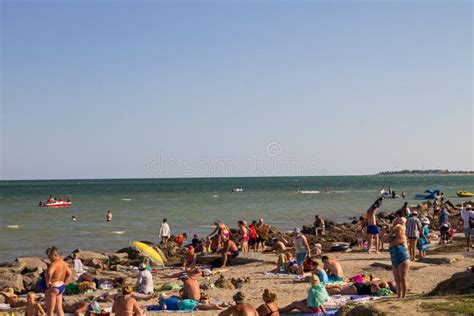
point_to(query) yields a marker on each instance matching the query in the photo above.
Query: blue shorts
(234, 254)
(300, 257)
(398, 254)
(334, 278)
(60, 289)
(373, 229)
(468, 232)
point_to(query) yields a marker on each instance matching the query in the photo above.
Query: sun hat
(424, 220)
(318, 246)
(468, 207)
(296, 230)
(9, 292)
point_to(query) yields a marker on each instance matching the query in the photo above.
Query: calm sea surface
(191, 205)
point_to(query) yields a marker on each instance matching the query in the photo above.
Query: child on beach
(33, 308)
(207, 245)
(189, 260)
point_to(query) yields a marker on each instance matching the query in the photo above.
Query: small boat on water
(57, 204)
(464, 194)
(428, 195)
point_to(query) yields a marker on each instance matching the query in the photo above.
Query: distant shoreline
(432, 172)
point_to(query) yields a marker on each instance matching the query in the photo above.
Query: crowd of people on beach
(404, 234)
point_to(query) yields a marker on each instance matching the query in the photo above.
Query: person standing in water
(108, 217)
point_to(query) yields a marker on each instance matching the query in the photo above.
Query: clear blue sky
(103, 89)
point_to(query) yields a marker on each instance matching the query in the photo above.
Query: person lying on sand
(241, 308)
(176, 304)
(366, 288)
(333, 269)
(76, 308)
(12, 299)
(125, 304)
(317, 296)
(270, 307)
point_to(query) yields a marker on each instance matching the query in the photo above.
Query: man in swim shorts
(333, 269)
(372, 229)
(399, 255)
(230, 249)
(56, 277)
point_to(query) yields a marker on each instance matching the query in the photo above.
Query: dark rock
(460, 283)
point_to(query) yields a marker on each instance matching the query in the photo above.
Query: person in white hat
(144, 280)
(301, 245)
(467, 216)
(424, 241)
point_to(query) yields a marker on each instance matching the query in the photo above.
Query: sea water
(191, 206)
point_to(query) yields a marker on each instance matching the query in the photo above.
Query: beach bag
(41, 286)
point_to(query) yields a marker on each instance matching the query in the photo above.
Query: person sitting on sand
(197, 243)
(189, 259)
(292, 264)
(125, 304)
(317, 296)
(372, 229)
(230, 249)
(270, 307)
(12, 299)
(365, 288)
(144, 280)
(399, 254)
(308, 264)
(56, 277)
(317, 251)
(333, 269)
(80, 269)
(322, 275)
(33, 308)
(241, 308)
(319, 224)
(190, 281)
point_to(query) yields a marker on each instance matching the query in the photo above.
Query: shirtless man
(56, 277)
(240, 308)
(372, 229)
(230, 249)
(125, 304)
(333, 269)
(399, 254)
(191, 288)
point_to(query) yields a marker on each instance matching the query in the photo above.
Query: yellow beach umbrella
(148, 251)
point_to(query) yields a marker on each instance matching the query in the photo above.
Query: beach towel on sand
(341, 300)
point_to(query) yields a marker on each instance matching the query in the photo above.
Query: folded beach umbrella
(148, 251)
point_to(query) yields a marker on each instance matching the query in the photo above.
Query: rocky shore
(23, 273)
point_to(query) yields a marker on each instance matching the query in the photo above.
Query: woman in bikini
(270, 308)
(244, 236)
